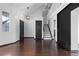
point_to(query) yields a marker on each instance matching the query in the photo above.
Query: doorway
(21, 30)
(38, 29)
(75, 29)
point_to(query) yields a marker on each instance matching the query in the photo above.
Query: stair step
(47, 38)
(46, 34)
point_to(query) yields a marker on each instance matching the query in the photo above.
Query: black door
(38, 29)
(21, 30)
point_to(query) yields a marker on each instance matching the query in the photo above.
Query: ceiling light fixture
(28, 16)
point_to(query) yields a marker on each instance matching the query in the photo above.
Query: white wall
(13, 34)
(78, 29)
(45, 20)
(29, 28)
(74, 29)
(45, 16)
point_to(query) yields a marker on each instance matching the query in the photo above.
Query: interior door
(38, 29)
(21, 30)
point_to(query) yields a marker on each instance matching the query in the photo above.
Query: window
(5, 21)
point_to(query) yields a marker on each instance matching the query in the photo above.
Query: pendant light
(28, 16)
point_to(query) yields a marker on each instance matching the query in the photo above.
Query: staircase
(46, 35)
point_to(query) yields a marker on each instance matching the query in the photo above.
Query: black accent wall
(64, 26)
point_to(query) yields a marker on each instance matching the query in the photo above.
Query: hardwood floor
(31, 47)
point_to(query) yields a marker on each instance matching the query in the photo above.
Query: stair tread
(48, 36)
(47, 39)
(46, 32)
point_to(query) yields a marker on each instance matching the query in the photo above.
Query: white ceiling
(34, 8)
(23, 6)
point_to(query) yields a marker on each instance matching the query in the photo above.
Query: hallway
(49, 22)
(31, 47)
